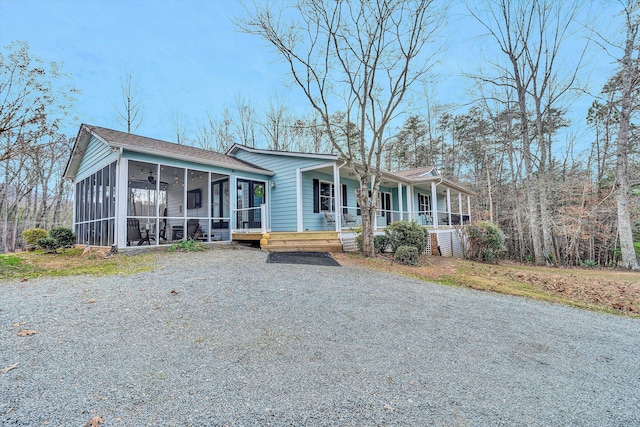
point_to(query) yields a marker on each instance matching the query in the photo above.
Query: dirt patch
(602, 289)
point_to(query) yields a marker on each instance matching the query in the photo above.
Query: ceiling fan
(152, 180)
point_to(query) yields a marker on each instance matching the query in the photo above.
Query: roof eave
(198, 160)
(235, 147)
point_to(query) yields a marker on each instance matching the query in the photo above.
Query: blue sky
(188, 57)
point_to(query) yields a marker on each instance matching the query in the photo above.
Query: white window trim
(321, 196)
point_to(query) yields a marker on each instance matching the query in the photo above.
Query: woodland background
(570, 182)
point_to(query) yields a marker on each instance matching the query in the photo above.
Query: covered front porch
(327, 201)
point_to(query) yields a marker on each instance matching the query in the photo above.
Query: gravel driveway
(223, 338)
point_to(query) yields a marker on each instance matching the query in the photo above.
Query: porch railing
(351, 217)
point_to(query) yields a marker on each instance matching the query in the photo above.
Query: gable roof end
(116, 139)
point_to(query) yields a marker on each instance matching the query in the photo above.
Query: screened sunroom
(134, 191)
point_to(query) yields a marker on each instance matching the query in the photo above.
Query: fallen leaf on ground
(8, 368)
(90, 301)
(174, 292)
(94, 422)
(25, 332)
(18, 324)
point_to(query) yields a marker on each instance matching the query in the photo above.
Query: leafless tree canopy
(359, 58)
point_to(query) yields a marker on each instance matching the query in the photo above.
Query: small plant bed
(188, 246)
(26, 265)
(612, 291)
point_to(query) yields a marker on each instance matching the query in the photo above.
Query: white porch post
(449, 205)
(460, 206)
(410, 206)
(299, 210)
(434, 204)
(400, 201)
(122, 190)
(337, 194)
(375, 217)
(233, 203)
(209, 209)
(263, 217)
(469, 207)
(184, 203)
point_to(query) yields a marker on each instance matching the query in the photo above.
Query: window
(424, 203)
(326, 197)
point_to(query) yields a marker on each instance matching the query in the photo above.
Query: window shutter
(344, 199)
(316, 196)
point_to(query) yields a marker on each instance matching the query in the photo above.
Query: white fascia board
(237, 147)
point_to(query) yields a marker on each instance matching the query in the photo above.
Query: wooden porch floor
(308, 241)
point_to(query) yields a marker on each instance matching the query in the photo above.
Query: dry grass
(612, 291)
(25, 265)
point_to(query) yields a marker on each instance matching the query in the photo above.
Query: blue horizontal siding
(96, 156)
(283, 202)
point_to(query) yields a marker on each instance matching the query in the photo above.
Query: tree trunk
(629, 259)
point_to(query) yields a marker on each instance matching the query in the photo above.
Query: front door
(220, 204)
(251, 194)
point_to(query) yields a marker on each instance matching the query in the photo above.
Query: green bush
(380, 243)
(48, 244)
(188, 246)
(407, 233)
(484, 241)
(31, 235)
(636, 246)
(407, 255)
(64, 236)
(359, 237)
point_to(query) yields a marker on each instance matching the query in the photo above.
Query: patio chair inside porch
(192, 227)
(330, 219)
(349, 220)
(134, 234)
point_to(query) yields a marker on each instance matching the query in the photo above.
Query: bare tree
(530, 34)
(246, 122)
(177, 121)
(276, 125)
(34, 98)
(357, 57)
(129, 114)
(630, 80)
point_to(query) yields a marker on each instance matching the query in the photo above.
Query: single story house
(131, 190)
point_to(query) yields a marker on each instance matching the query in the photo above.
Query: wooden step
(304, 235)
(305, 248)
(312, 241)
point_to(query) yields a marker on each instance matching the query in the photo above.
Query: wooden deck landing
(309, 241)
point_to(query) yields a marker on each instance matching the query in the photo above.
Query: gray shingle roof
(412, 173)
(141, 143)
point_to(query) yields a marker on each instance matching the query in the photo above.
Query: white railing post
(263, 217)
(400, 201)
(449, 206)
